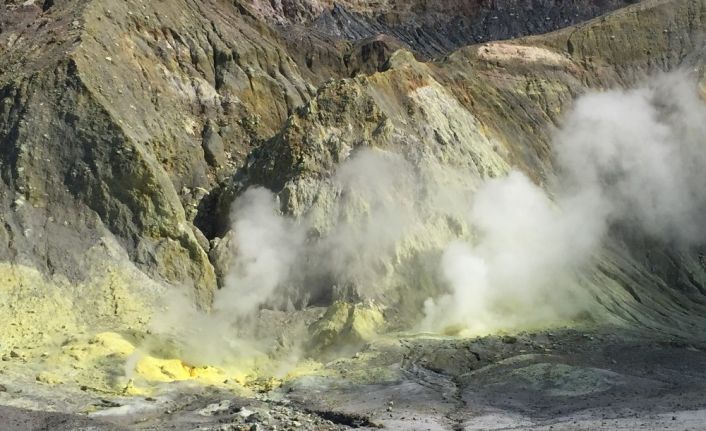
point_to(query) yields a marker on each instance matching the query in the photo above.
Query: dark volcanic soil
(120, 158)
(566, 379)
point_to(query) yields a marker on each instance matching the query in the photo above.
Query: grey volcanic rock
(436, 28)
(480, 110)
(142, 122)
(108, 114)
(128, 129)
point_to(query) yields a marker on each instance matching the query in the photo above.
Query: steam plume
(631, 157)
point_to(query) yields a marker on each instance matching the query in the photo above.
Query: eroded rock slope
(128, 129)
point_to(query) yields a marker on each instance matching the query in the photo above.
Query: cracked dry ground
(121, 156)
(566, 379)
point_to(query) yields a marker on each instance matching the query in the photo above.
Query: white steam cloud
(642, 153)
(519, 271)
(634, 157)
(267, 247)
(512, 258)
(280, 262)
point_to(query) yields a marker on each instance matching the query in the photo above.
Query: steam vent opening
(397, 214)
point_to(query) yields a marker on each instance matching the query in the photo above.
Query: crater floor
(572, 379)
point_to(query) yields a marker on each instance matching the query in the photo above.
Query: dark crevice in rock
(210, 219)
(347, 419)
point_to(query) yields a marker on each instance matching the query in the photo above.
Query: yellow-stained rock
(346, 326)
(113, 343)
(49, 378)
(162, 370)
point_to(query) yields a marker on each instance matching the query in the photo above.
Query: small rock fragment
(48, 378)
(509, 339)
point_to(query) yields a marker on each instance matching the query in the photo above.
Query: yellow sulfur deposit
(114, 343)
(162, 370)
(54, 340)
(171, 370)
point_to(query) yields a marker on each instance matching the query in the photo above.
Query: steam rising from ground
(640, 155)
(267, 248)
(632, 157)
(519, 272)
(282, 263)
(622, 157)
(276, 255)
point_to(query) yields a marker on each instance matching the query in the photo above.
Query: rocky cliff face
(432, 28)
(123, 116)
(480, 111)
(128, 129)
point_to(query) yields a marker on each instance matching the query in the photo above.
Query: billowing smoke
(280, 261)
(518, 272)
(268, 246)
(641, 153)
(374, 209)
(510, 256)
(283, 263)
(634, 158)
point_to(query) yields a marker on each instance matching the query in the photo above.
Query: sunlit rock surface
(128, 129)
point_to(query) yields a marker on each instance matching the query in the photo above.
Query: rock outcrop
(431, 28)
(136, 124)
